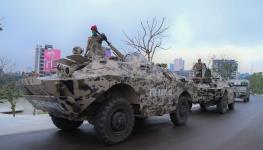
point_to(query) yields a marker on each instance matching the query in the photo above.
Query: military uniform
(198, 69)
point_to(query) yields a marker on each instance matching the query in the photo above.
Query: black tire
(180, 115)
(203, 107)
(65, 124)
(231, 106)
(222, 104)
(246, 99)
(114, 121)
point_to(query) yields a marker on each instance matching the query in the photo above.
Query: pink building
(50, 55)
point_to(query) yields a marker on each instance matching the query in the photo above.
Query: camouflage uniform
(198, 69)
(95, 46)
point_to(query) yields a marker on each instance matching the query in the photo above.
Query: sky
(230, 29)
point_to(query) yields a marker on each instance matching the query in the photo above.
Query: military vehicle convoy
(110, 93)
(241, 89)
(212, 90)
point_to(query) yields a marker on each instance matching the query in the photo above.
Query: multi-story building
(178, 64)
(44, 59)
(228, 69)
(39, 60)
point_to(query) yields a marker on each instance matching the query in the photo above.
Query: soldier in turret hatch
(199, 68)
(94, 46)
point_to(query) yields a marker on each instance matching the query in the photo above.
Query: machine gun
(115, 51)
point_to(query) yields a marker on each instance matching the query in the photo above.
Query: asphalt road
(241, 129)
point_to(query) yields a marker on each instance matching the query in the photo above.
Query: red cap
(93, 28)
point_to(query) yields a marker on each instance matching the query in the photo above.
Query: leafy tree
(256, 83)
(8, 89)
(10, 92)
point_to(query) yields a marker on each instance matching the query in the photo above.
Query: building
(228, 69)
(171, 67)
(185, 73)
(244, 76)
(45, 59)
(178, 64)
(39, 60)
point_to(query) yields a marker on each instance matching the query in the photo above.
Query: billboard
(49, 60)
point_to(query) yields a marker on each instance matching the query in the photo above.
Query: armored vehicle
(241, 89)
(211, 89)
(110, 93)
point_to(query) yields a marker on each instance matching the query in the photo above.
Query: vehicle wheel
(231, 106)
(114, 121)
(222, 104)
(65, 124)
(180, 115)
(203, 107)
(246, 99)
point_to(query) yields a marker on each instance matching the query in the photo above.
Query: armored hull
(70, 93)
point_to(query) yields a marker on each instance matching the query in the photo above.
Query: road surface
(241, 129)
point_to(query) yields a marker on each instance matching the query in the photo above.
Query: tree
(256, 83)
(149, 38)
(10, 93)
(8, 89)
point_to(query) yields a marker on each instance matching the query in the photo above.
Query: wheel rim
(119, 121)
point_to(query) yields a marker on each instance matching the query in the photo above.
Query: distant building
(178, 64)
(44, 59)
(244, 76)
(186, 73)
(171, 67)
(39, 60)
(228, 69)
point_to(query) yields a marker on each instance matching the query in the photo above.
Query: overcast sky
(197, 28)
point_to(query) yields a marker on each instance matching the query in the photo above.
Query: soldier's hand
(103, 36)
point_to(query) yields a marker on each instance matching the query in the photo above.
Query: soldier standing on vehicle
(198, 68)
(94, 46)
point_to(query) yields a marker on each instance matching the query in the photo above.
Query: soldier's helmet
(199, 60)
(77, 50)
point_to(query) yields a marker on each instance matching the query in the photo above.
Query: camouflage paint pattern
(212, 91)
(69, 93)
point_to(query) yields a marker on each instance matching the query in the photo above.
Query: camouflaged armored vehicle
(110, 93)
(212, 90)
(241, 89)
